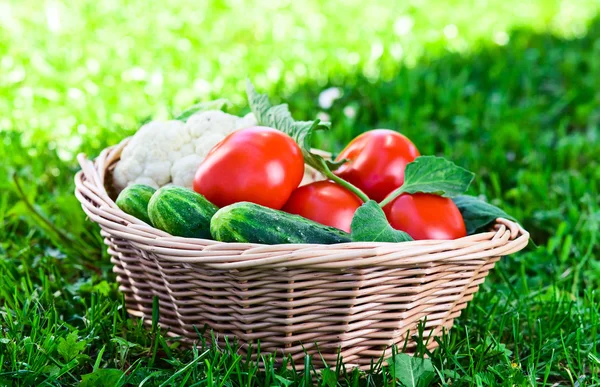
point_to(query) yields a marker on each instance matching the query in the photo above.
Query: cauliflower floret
(170, 152)
(147, 155)
(205, 143)
(216, 121)
(184, 169)
(246, 121)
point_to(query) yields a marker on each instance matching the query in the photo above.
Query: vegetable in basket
(253, 223)
(426, 216)
(134, 201)
(376, 162)
(324, 202)
(258, 164)
(181, 212)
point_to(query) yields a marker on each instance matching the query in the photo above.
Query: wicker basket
(357, 299)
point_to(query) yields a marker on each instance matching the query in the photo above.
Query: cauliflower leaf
(218, 104)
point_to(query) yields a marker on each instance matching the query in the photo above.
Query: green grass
(513, 96)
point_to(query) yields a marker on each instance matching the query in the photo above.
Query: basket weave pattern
(356, 298)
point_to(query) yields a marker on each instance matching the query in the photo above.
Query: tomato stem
(350, 187)
(361, 195)
(388, 199)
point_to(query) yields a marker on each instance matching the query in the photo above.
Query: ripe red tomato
(258, 164)
(426, 216)
(324, 202)
(377, 162)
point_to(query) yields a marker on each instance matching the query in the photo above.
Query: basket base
(357, 357)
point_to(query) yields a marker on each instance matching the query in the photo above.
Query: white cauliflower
(170, 152)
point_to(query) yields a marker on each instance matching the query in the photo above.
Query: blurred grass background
(70, 68)
(508, 89)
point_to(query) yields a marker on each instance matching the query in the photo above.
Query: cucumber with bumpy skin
(181, 212)
(134, 201)
(253, 223)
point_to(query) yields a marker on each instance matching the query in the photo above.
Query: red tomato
(324, 202)
(377, 162)
(426, 216)
(258, 164)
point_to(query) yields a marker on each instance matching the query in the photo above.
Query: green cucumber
(253, 223)
(134, 201)
(181, 212)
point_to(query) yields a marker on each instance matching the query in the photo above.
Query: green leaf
(70, 347)
(431, 174)
(328, 377)
(103, 377)
(477, 214)
(217, 104)
(283, 381)
(280, 118)
(52, 370)
(411, 371)
(369, 224)
(493, 347)
(435, 175)
(103, 288)
(485, 378)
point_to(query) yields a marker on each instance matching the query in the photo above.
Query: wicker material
(360, 298)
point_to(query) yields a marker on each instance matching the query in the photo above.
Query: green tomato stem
(388, 199)
(350, 187)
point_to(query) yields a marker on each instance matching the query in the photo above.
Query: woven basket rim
(506, 237)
